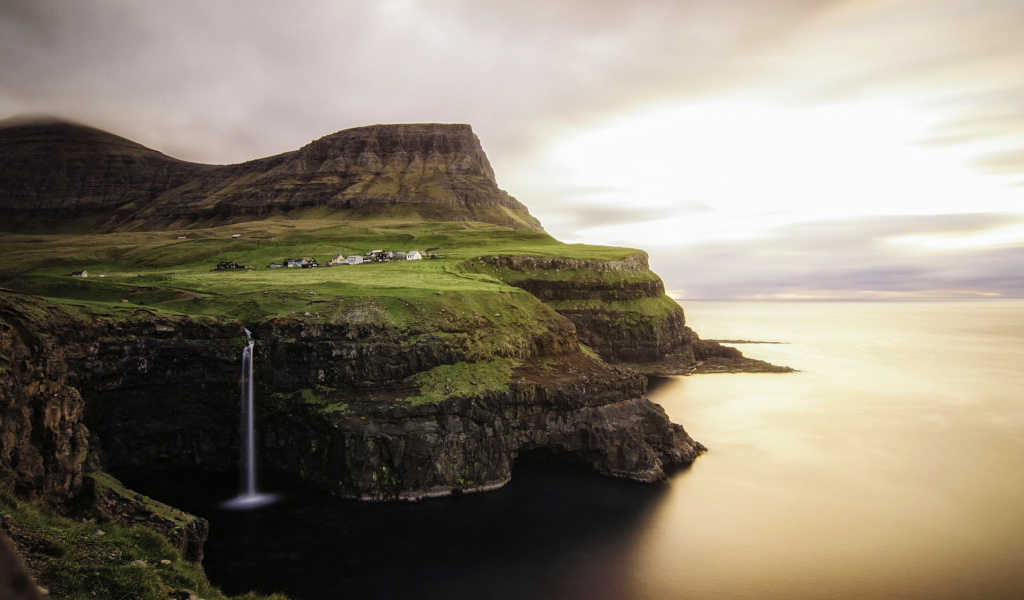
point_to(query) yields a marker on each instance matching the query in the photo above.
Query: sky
(755, 148)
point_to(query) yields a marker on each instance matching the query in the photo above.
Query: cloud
(231, 80)
(849, 256)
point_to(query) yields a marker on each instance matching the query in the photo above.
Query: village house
(413, 255)
(355, 259)
(224, 266)
(274, 266)
(79, 274)
(295, 262)
(310, 263)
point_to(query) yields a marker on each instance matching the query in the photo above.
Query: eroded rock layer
(60, 176)
(161, 392)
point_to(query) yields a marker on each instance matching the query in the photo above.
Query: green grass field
(159, 271)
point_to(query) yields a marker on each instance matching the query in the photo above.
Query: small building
(413, 255)
(79, 274)
(295, 262)
(274, 266)
(355, 259)
(433, 255)
(310, 263)
(227, 266)
(399, 256)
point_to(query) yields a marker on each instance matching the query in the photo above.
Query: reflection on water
(891, 466)
(556, 533)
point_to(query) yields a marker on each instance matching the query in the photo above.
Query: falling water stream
(248, 497)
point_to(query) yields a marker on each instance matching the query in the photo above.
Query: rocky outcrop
(161, 392)
(106, 499)
(588, 415)
(56, 176)
(619, 307)
(46, 355)
(43, 443)
(620, 310)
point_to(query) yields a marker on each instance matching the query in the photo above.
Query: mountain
(389, 380)
(59, 176)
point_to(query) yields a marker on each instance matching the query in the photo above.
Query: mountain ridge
(62, 176)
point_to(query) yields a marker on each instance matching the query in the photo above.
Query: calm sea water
(891, 466)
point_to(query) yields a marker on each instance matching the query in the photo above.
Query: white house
(355, 259)
(413, 255)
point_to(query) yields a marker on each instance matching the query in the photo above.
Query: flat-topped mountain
(66, 177)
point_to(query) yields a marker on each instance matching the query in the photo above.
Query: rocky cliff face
(43, 443)
(620, 310)
(619, 307)
(45, 352)
(62, 176)
(159, 392)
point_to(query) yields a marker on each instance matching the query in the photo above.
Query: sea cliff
(378, 382)
(148, 391)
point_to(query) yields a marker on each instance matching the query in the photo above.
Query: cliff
(389, 381)
(620, 310)
(158, 392)
(57, 176)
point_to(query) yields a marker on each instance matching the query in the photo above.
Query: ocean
(890, 466)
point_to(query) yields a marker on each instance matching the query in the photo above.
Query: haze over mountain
(60, 176)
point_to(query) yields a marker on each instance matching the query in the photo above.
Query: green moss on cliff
(644, 309)
(90, 560)
(463, 379)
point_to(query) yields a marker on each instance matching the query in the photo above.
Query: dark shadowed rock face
(69, 177)
(15, 581)
(55, 174)
(161, 392)
(43, 443)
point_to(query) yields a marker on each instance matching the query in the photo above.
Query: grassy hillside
(162, 271)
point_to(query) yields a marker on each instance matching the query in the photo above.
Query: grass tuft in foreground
(85, 561)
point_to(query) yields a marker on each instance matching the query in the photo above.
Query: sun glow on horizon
(737, 169)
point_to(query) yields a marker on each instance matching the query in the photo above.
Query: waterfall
(248, 497)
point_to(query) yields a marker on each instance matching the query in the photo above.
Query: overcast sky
(756, 148)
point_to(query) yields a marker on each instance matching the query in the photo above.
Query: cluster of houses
(354, 259)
